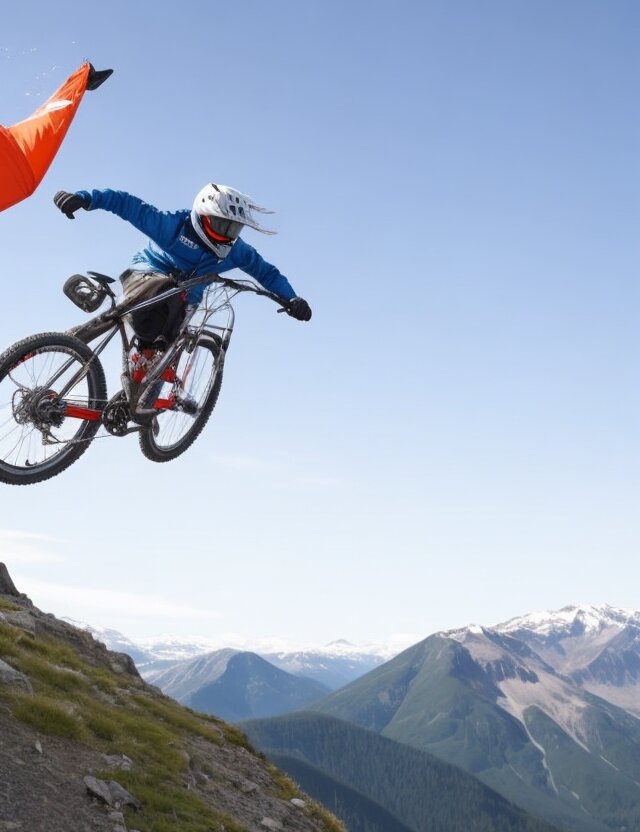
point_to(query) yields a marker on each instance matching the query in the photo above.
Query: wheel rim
(195, 373)
(34, 433)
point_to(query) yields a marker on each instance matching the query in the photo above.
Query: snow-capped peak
(462, 633)
(588, 618)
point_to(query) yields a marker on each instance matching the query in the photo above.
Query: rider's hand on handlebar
(70, 203)
(299, 309)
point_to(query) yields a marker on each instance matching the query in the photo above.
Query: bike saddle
(101, 278)
(87, 293)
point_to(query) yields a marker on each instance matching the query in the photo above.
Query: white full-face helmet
(219, 214)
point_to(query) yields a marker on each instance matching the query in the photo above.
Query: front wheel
(52, 390)
(195, 393)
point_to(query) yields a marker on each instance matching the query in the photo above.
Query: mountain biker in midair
(185, 244)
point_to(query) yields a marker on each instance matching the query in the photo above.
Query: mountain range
(544, 709)
(234, 683)
(174, 664)
(330, 668)
(541, 708)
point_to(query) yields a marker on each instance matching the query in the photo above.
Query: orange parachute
(28, 147)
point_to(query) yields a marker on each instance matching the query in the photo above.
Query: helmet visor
(220, 229)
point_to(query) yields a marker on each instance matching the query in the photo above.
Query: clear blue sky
(454, 436)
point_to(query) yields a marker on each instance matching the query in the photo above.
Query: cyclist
(185, 244)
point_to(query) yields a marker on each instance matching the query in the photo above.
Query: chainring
(116, 415)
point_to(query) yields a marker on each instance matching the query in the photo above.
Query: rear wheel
(42, 379)
(195, 393)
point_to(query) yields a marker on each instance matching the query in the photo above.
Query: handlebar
(235, 285)
(185, 285)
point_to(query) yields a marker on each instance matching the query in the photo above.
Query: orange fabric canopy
(28, 147)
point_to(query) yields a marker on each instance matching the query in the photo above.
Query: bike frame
(217, 299)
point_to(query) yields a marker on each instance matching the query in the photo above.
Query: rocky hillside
(86, 744)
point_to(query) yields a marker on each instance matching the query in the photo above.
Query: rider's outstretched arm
(160, 226)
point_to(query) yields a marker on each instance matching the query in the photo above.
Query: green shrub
(49, 676)
(45, 716)
(54, 651)
(103, 679)
(331, 822)
(176, 716)
(103, 727)
(8, 635)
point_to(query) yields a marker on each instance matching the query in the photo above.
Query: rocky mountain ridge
(594, 647)
(574, 619)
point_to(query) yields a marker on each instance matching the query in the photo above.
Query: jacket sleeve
(158, 225)
(247, 258)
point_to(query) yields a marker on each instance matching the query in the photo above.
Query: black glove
(299, 309)
(70, 203)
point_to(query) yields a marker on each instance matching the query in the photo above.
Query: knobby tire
(148, 444)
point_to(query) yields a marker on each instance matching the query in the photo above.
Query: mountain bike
(53, 390)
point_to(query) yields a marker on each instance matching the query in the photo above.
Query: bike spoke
(29, 436)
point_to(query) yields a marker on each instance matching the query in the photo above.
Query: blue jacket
(175, 248)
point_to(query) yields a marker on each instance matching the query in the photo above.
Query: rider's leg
(157, 325)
